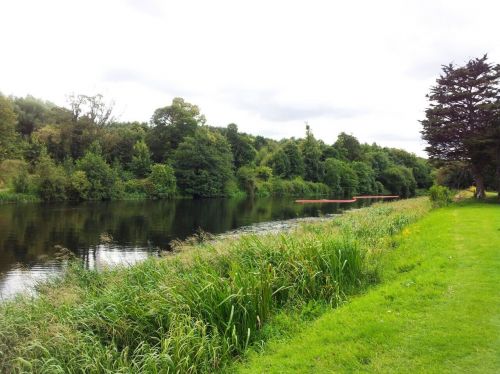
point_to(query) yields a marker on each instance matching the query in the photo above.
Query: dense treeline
(83, 153)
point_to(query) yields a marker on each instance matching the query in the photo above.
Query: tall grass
(194, 311)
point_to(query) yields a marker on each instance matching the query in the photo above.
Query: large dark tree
(171, 124)
(203, 164)
(464, 106)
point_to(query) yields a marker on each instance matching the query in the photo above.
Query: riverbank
(436, 311)
(199, 310)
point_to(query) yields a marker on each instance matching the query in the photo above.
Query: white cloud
(362, 67)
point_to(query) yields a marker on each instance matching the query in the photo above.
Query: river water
(123, 232)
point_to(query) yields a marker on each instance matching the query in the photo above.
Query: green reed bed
(197, 310)
(7, 196)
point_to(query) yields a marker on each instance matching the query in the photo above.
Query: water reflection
(122, 232)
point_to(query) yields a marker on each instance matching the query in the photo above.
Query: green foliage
(161, 183)
(102, 178)
(78, 186)
(295, 160)
(141, 160)
(399, 180)
(8, 120)
(280, 164)
(171, 125)
(24, 183)
(51, 180)
(295, 187)
(440, 196)
(32, 113)
(264, 173)
(203, 164)
(14, 197)
(10, 170)
(243, 151)
(366, 178)
(340, 177)
(311, 152)
(116, 157)
(247, 178)
(462, 123)
(348, 147)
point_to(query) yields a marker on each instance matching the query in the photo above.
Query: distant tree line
(81, 152)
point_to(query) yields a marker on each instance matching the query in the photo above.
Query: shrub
(10, 170)
(78, 186)
(440, 196)
(51, 180)
(264, 173)
(135, 186)
(161, 183)
(101, 176)
(23, 183)
(246, 176)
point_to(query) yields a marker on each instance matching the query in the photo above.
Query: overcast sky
(363, 67)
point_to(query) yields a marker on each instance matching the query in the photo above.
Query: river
(124, 232)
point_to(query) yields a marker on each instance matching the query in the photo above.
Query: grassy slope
(437, 311)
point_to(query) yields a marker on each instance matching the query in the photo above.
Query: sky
(361, 67)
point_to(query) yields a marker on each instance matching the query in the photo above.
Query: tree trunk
(479, 180)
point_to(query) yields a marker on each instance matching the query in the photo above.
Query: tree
(93, 108)
(279, 163)
(203, 164)
(399, 180)
(366, 177)
(31, 113)
(311, 153)
(295, 160)
(462, 111)
(340, 177)
(379, 161)
(8, 120)
(348, 147)
(141, 160)
(161, 182)
(51, 179)
(101, 176)
(243, 151)
(171, 124)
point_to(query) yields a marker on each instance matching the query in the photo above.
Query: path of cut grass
(437, 311)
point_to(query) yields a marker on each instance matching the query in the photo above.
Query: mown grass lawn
(436, 311)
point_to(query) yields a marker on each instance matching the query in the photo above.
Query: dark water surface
(122, 232)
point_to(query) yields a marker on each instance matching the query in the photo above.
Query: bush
(246, 176)
(101, 176)
(51, 180)
(264, 173)
(78, 186)
(295, 187)
(161, 183)
(135, 186)
(10, 170)
(23, 183)
(440, 196)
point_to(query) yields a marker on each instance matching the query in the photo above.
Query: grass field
(437, 309)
